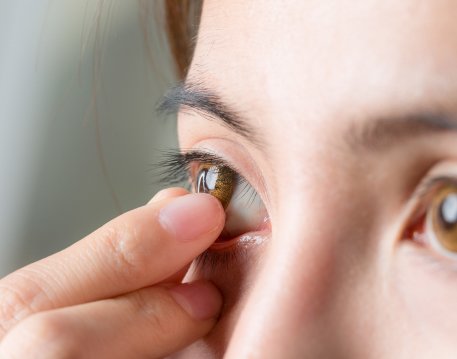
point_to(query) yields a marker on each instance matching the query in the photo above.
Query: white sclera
(245, 212)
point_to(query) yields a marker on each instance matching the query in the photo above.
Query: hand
(117, 292)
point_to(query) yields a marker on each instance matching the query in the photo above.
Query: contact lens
(219, 181)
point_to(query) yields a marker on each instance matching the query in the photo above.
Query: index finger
(137, 249)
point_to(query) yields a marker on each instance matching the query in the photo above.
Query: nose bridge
(288, 300)
(314, 265)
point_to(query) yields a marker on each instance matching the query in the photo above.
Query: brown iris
(443, 215)
(218, 181)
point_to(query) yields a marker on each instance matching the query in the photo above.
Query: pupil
(448, 210)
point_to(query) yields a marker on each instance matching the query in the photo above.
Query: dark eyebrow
(374, 134)
(383, 132)
(209, 104)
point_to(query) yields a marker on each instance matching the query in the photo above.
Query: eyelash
(176, 166)
(175, 169)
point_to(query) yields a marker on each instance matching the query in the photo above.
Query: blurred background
(79, 132)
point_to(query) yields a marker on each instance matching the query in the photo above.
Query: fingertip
(200, 299)
(193, 216)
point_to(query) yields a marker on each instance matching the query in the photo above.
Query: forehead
(282, 59)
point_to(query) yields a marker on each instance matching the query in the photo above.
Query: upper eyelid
(420, 197)
(429, 184)
(175, 165)
(205, 156)
(215, 160)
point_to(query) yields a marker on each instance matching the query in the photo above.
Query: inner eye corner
(414, 228)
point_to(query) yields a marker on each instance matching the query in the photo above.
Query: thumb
(150, 323)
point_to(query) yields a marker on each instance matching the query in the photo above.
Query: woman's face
(342, 117)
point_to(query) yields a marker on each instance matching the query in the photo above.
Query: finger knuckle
(127, 254)
(22, 293)
(157, 308)
(43, 333)
(14, 306)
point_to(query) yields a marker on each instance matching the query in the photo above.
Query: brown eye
(244, 209)
(219, 181)
(442, 218)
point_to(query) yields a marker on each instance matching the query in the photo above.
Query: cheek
(429, 293)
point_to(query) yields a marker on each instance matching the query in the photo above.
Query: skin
(334, 278)
(117, 292)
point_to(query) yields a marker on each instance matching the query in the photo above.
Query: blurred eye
(437, 226)
(245, 211)
(441, 219)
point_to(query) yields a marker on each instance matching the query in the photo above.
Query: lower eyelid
(435, 263)
(236, 253)
(218, 260)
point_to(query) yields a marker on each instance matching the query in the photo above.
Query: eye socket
(437, 226)
(206, 172)
(245, 211)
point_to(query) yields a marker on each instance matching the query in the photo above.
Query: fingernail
(190, 216)
(201, 299)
